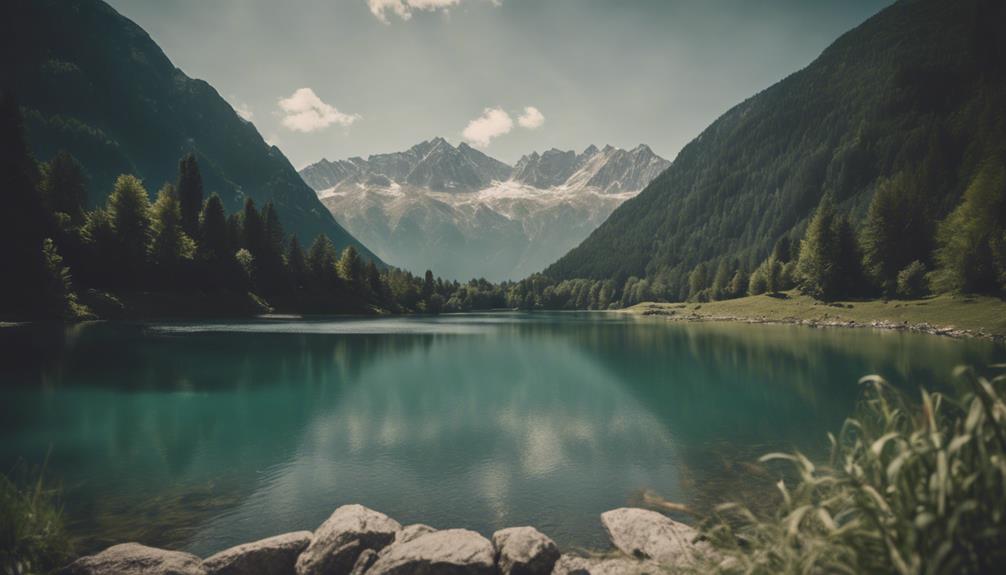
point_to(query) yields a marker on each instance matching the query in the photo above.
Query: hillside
(92, 82)
(918, 88)
(466, 215)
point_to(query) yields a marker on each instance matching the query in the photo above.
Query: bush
(32, 536)
(910, 489)
(912, 281)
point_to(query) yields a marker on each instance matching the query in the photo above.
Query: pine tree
(129, 209)
(351, 266)
(63, 184)
(971, 255)
(321, 263)
(816, 267)
(190, 194)
(297, 263)
(171, 245)
(59, 299)
(428, 285)
(213, 241)
(897, 231)
(252, 229)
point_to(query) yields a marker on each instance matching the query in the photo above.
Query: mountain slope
(464, 214)
(917, 88)
(92, 82)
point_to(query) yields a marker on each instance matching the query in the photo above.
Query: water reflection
(207, 434)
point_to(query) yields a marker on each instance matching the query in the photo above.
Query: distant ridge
(464, 214)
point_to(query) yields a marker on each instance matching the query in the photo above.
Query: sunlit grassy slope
(971, 313)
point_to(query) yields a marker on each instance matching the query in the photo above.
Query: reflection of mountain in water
(203, 436)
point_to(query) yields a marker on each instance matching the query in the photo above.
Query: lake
(201, 435)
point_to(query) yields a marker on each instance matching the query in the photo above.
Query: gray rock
(573, 565)
(366, 559)
(410, 532)
(273, 556)
(447, 552)
(524, 551)
(339, 541)
(136, 559)
(646, 534)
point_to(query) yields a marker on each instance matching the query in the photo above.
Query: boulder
(646, 534)
(338, 542)
(366, 559)
(447, 552)
(524, 551)
(273, 556)
(410, 532)
(573, 565)
(136, 559)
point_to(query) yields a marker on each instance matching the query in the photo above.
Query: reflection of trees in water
(173, 430)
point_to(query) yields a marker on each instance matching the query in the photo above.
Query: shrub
(32, 536)
(910, 489)
(912, 281)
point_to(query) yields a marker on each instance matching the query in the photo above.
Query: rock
(410, 532)
(273, 556)
(524, 551)
(572, 565)
(366, 559)
(136, 559)
(339, 541)
(646, 534)
(447, 552)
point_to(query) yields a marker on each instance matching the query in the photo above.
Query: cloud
(492, 123)
(404, 8)
(305, 112)
(531, 118)
(245, 111)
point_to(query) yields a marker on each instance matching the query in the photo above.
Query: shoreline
(981, 318)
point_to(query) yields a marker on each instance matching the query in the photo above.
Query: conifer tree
(897, 231)
(171, 245)
(252, 229)
(64, 187)
(351, 266)
(972, 240)
(190, 194)
(321, 263)
(816, 267)
(296, 263)
(213, 241)
(129, 210)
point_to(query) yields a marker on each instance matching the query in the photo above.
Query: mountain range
(464, 214)
(918, 89)
(93, 83)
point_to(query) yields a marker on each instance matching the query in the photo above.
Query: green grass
(33, 538)
(912, 488)
(976, 315)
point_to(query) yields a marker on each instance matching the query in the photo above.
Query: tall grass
(912, 488)
(33, 538)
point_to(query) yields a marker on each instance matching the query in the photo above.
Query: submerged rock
(447, 552)
(273, 556)
(136, 559)
(340, 540)
(646, 534)
(573, 565)
(524, 551)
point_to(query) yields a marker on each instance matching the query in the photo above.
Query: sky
(343, 78)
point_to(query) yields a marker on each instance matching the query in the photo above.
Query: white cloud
(245, 111)
(492, 123)
(531, 118)
(404, 8)
(304, 111)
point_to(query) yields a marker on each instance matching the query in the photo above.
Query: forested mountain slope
(93, 83)
(917, 89)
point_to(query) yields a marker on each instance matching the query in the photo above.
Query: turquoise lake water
(201, 435)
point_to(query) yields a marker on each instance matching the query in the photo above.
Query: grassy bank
(962, 316)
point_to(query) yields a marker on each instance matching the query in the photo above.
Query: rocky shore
(356, 540)
(927, 328)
